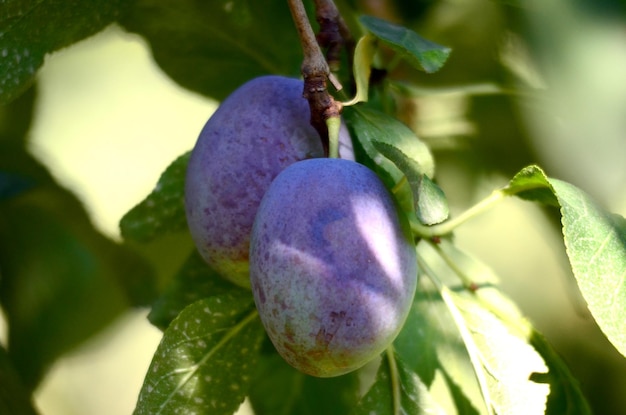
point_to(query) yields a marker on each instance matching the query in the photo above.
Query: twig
(315, 72)
(334, 35)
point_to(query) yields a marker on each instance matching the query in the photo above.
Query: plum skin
(332, 266)
(259, 130)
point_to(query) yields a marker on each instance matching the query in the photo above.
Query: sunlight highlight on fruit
(333, 272)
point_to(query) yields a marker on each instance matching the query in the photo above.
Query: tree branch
(334, 34)
(315, 72)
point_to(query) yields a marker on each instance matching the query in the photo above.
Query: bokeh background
(544, 83)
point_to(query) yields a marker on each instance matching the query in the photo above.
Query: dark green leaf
(61, 280)
(31, 29)
(417, 342)
(163, 211)
(194, 281)
(15, 160)
(414, 397)
(419, 52)
(214, 46)
(206, 359)
(565, 397)
(368, 125)
(429, 201)
(12, 184)
(157, 229)
(595, 242)
(14, 397)
(279, 389)
(15, 118)
(132, 273)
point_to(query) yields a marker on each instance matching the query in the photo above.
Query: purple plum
(258, 131)
(333, 267)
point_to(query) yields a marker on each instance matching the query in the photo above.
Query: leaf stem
(399, 184)
(465, 279)
(395, 380)
(450, 225)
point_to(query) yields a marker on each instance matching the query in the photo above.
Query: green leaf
(12, 184)
(14, 397)
(503, 360)
(482, 310)
(419, 52)
(430, 345)
(194, 281)
(532, 184)
(362, 68)
(369, 125)
(429, 201)
(565, 398)
(15, 160)
(299, 393)
(31, 29)
(61, 280)
(417, 343)
(397, 390)
(432, 205)
(163, 211)
(214, 46)
(206, 359)
(595, 242)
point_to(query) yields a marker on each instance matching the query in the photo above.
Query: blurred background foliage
(527, 82)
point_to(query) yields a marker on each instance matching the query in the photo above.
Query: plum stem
(315, 72)
(333, 124)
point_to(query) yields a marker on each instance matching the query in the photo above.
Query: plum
(333, 266)
(256, 132)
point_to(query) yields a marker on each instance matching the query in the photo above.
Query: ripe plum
(256, 132)
(332, 266)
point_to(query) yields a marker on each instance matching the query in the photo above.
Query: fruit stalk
(333, 125)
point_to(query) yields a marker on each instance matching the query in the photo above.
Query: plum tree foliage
(355, 275)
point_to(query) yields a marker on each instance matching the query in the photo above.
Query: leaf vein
(194, 369)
